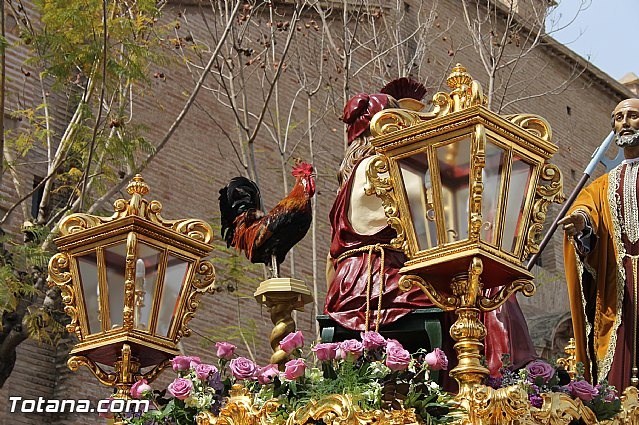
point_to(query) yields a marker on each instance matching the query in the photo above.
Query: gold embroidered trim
(613, 200)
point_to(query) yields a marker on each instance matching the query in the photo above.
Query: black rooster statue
(267, 238)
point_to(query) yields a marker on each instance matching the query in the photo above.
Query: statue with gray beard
(601, 258)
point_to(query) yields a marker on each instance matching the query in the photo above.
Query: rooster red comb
(302, 169)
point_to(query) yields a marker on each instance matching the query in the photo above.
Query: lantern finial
(137, 185)
(459, 78)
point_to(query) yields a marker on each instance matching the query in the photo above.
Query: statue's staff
(599, 155)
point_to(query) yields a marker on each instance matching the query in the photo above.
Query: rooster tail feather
(237, 197)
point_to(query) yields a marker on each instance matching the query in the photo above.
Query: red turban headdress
(359, 111)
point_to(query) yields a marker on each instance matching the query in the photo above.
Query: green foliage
(12, 288)
(71, 39)
(42, 327)
(434, 407)
(100, 78)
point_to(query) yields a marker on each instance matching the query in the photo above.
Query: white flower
(378, 370)
(191, 401)
(314, 374)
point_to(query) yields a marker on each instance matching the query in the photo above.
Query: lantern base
(126, 371)
(441, 269)
(107, 349)
(468, 300)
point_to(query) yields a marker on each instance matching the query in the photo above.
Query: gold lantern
(130, 283)
(467, 191)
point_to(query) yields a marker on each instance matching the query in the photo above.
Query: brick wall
(199, 160)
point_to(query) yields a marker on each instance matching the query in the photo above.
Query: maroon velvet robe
(346, 297)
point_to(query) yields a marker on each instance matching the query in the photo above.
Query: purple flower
(606, 392)
(225, 350)
(215, 381)
(139, 388)
(582, 390)
(293, 369)
(266, 374)
(243, 368)
(292, 341)
(397, 358)
(373, 340)
(203, 371)
(494, 382)
(325, 351)
(182, 363)
(540, 369)
(437, 360)
(180, 388)
(536, 400)
(350, 349)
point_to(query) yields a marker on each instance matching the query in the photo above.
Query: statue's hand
(573, 224)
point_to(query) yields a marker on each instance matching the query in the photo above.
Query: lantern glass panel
(146, 273)
(419, 193)
(520, 178)
(115, 261)
(88, 268)
(492, 175)
(454, 171)
(174, 279)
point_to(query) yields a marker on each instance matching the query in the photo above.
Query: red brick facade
(199, 160)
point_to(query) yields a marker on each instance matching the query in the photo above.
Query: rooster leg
(274, 267)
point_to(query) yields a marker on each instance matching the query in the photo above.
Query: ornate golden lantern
(467, 191)
(131, 283)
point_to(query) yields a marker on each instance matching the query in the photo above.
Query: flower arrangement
(377, 373)
(539, 377)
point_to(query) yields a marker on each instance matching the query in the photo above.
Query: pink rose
(390, 343)
(397, 358)
(139, 388)
(194, 362)
(292, 341)
(373, 340)
(325, 351)
(350, 349)
(182, 363)
(266, 374)
(180, 388)
(203, 371)
(437, 360)
(293, 369)
(582, 390)
(243, 368)
(225, 350)
(540, 369)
